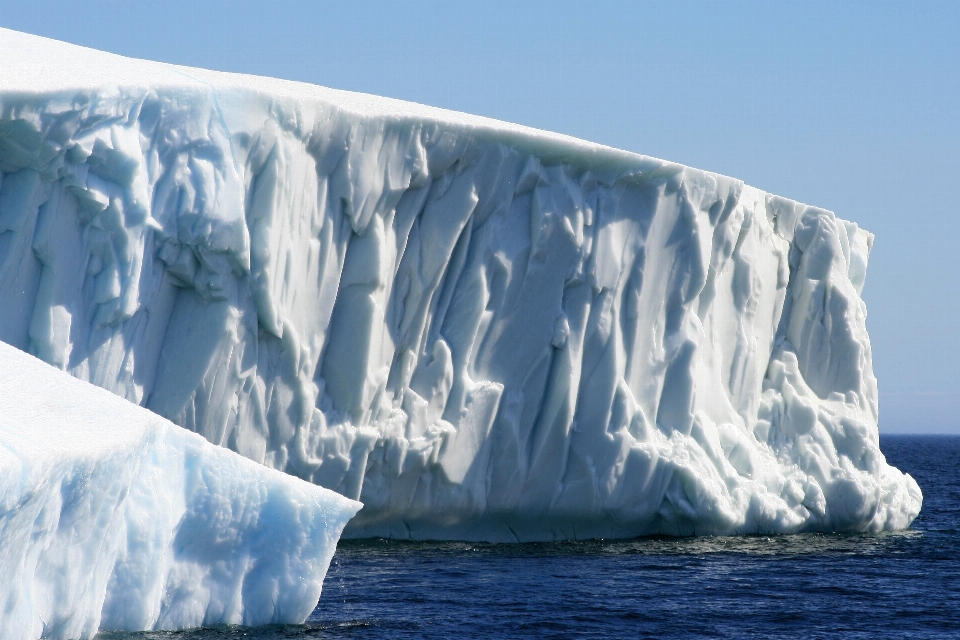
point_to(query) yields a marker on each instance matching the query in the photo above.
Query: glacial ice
(479, 330)
(111, 517)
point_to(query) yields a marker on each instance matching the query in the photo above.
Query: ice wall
(113, 518)
(479, 330)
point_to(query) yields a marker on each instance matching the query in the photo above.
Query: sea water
(903, 584)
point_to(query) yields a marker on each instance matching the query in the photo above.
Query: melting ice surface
(112, 517)
(480, 330)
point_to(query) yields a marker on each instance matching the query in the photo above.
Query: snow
(113, 518)
(480, 330)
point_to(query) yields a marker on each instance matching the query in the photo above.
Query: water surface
(904, 584)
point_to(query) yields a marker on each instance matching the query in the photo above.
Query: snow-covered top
(36, 64)
(481, 330)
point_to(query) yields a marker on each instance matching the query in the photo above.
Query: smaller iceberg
(114, 518)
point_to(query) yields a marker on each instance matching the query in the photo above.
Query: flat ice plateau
(480, 330)
(111, 517)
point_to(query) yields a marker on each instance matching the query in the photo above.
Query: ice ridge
(479, 330)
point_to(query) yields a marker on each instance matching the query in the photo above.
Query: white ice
(111, 517)
(478, 329)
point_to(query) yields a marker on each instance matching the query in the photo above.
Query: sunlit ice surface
(479, 330)
(112, 517)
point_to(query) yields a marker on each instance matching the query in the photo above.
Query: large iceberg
(113, 518)
(480, 330)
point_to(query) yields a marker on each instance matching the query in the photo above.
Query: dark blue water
(806, 586)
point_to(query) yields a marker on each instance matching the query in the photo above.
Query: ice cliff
(478, 329)
(113, 518)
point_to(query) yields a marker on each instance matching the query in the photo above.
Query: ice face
(111, 517)
(480, 330)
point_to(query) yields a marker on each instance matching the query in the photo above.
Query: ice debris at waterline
(113, 518)
(480, 330)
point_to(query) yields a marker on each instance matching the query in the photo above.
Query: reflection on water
(798, 544)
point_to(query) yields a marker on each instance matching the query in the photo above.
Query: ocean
(890, 585)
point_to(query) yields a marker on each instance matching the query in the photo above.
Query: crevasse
(479, 330)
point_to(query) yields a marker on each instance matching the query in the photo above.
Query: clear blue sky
(853, 107)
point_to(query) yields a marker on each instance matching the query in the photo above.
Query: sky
(850, 106)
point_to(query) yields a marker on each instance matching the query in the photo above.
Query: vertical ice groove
(481, 331)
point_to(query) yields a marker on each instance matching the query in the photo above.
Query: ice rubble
(113, 518)
(478, 329)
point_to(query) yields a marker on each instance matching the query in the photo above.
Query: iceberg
(111, 517)
(479, 330)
